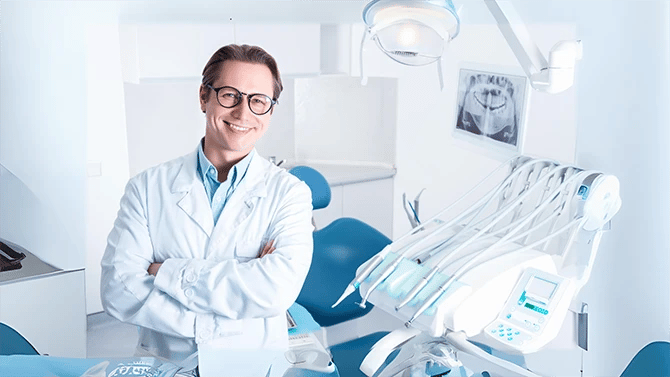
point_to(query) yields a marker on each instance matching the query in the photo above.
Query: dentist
(213, 246)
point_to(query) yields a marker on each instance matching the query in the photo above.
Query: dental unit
(501, 274)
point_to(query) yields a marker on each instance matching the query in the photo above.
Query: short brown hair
(241, 53)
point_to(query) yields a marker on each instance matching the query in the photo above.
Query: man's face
(235, 130)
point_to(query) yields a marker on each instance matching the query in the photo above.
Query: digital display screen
(540, 289)
(530, 306)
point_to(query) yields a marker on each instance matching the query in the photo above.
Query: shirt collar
(236, 173)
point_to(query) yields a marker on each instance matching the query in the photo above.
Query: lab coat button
(191, 278)
(202, 335)
(188, 292)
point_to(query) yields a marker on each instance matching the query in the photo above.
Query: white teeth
(237, 127)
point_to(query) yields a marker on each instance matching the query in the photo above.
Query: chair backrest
(316, 182)
(13, 343)
(651, 361)
(339, 248)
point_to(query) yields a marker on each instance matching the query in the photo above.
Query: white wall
(624, 128)
(164, 121)
(106, 148)
(43, 126)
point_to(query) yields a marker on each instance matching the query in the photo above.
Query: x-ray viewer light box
(491, 108)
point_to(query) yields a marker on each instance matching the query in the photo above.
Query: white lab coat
(211, 286)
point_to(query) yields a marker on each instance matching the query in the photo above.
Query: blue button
(509, 334)
(501, 335)
(501, 330)
(509, 316)
(500, 325)
(493, 331)
(509, 329)
(510, 338)
(516, 333)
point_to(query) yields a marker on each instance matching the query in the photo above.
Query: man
(213, 246)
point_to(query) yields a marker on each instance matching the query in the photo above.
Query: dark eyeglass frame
(239, 98)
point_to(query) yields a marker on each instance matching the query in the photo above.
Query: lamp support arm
(552, 76)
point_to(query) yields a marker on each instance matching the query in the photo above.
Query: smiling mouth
(237, 128)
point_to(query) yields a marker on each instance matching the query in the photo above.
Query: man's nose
(242, 110)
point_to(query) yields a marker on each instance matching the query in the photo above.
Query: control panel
(533, 313)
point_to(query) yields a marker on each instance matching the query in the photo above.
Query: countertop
(32, 267)
(338, 174)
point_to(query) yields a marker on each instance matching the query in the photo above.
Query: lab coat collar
(194, 198)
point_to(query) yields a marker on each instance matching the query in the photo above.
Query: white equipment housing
(503, 272)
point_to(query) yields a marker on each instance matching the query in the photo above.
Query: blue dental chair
(339, 248)
(651, 361)
(13, 343)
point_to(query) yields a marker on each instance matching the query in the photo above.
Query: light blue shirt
(219, 192)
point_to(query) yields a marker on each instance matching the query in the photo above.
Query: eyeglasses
(228, 97)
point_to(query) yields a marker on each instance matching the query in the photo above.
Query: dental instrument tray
(503, 272)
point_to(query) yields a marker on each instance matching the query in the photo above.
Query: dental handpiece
(417, 288)
(392, 267)
(477, 206)
(374, 262)
(424, 281)
(386, 273)
(442, 288)
(440, 264)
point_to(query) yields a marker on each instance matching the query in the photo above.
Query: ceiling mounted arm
(552, 76)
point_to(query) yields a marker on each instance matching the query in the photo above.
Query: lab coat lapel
(243, 200)
(191, 194)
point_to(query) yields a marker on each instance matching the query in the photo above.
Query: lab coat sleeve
(127, 290)
(259, 288)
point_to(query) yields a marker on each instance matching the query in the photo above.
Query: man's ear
(203, 94)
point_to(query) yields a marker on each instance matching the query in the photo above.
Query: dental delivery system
(502, 273)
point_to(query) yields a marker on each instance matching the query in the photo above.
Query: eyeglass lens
(258, 103)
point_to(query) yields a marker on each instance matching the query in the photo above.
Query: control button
(510, 338)
(501, 335)
(512, 309)
(517, 333)
(509, 316)
(501, 330)
(528, 324)
(509, 329)
(509, 334)
(500, 325)
(188, 292)
(493, 331)
(536, 328)
(541, 320)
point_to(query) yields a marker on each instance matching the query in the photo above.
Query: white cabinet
(296, 47)
(370, 202)
(177, 51)
(49, 311)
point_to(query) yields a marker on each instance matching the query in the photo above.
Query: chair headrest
(316, 182)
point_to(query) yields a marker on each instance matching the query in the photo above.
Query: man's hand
(153, 268)
(267, 249)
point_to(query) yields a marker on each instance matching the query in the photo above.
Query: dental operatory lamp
(410, 32)
(417, 32)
